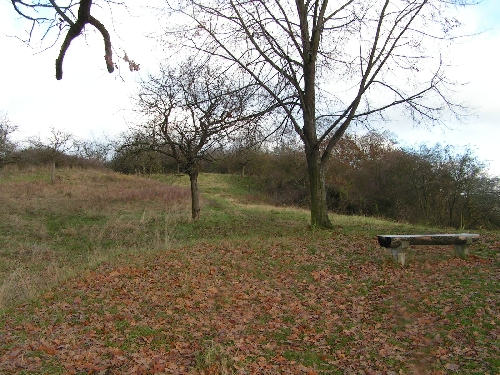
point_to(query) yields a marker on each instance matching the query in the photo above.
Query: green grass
(110, 273)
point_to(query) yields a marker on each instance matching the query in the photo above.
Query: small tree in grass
(191, 111)
(57, 143)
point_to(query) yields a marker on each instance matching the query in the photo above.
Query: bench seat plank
(392, 241)
(398, 244)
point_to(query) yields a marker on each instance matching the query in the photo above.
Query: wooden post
(462, 250)
(399, 253)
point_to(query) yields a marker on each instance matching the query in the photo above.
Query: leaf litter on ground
(317, 302)
(270, 307)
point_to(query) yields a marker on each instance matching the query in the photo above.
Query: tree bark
(315, 166)
(195, 195)
(53, 172)
(317, 186)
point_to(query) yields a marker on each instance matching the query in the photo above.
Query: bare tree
(329, 64)
(7, 146)
(93, 149)
(190, 112)
(68, 18)
(59, 142)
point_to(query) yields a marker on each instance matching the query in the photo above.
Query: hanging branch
(76, 29)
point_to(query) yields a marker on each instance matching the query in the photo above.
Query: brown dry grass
(85, 218)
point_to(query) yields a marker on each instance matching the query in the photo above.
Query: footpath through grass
(249, 289)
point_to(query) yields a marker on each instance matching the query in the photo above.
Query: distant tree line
(439, 185)
(59, 149)
(369, 174)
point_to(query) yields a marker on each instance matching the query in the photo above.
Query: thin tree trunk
(317, 186)
(195, 195)
(53, 172)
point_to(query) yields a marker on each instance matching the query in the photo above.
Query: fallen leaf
(452, 366)
(47, 349)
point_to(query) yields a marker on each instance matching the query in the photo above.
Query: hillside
(105, 274)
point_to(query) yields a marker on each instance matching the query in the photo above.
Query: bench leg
(463, 250)
(399, 253)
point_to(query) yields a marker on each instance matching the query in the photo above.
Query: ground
(250, 289)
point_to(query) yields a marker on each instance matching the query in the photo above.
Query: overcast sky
(89, 101)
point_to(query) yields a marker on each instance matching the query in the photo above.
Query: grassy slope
(247, 289)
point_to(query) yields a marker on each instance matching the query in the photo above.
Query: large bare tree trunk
(195, 195)
(315, 169)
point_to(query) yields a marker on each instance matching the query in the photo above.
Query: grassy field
(105, 274)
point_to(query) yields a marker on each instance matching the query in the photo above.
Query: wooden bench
(399, 244)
